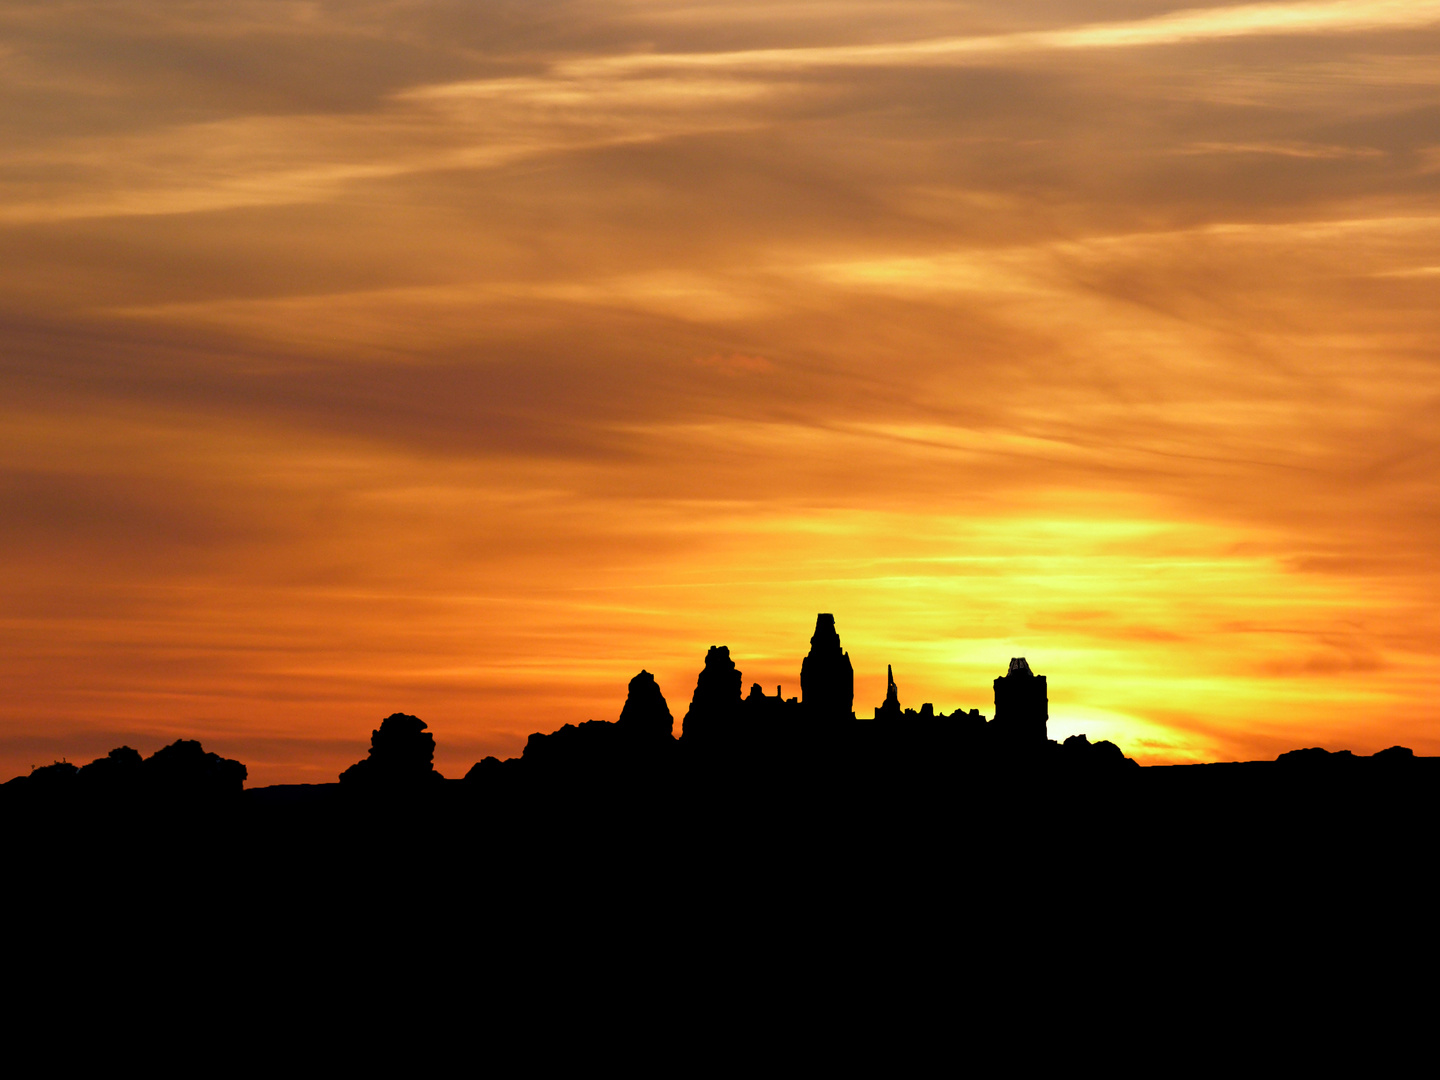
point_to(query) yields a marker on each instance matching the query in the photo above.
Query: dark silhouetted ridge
(931, 834)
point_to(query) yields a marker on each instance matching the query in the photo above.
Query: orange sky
(463, 358)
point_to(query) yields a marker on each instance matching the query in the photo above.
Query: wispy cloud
(1194, 25)
(268, 161)
(573, 105)
(1293, 150)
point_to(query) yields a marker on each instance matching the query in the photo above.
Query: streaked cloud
(1172, 28)
(264, 161)
(1295, 150)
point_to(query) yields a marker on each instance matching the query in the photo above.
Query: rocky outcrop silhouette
(1022, 707)
(490, 770)
(741, 762)
(715, 706)
(179, 776)
(827, 681)
(401, 758)
(646, 716)
(595, 744)
(1394, 755)
(118, 774)
(616, 833)
(1079, 752)
(641, 738)
(1313, 761)
(1312, 757)
(46, 783)
(929, 831)
(766, 720)
(724, 735)
(890, 711)
(184, 771)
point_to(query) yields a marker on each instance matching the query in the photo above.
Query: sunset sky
(463, 358)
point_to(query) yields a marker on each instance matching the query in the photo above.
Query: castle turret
(1022, 705)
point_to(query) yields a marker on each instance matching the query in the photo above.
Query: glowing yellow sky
(464, 358)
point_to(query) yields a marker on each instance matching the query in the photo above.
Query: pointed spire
(891, 709)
